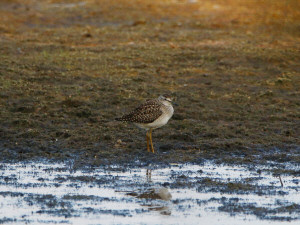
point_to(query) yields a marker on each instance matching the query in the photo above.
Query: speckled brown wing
(145, 113)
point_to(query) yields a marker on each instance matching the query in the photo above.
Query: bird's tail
(120, 119)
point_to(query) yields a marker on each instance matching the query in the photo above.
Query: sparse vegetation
(68, 68)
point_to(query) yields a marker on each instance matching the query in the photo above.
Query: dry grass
(67, 68)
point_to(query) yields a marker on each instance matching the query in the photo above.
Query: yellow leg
(147, 136)
(150, 132)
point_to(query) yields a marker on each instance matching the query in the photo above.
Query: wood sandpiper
(150, 115)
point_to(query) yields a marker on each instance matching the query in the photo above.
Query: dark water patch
(84, 198)
(233, 206)
(7, 220)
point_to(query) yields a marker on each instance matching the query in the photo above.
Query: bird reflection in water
(157, 198)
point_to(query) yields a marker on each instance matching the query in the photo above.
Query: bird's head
(165, 98)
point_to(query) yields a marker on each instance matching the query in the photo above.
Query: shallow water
(48, 193)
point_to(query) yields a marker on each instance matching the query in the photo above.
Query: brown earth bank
(68, 68)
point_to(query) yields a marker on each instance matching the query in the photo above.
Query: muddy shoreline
(68, 69)
(230, 153)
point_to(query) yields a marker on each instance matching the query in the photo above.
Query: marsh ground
(68, 68)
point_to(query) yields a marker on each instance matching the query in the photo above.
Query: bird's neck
(166, 103)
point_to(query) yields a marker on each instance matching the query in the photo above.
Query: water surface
(47, 193)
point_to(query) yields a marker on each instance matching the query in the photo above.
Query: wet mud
(68, 68)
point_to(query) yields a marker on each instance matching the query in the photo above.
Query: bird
(150, 115)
